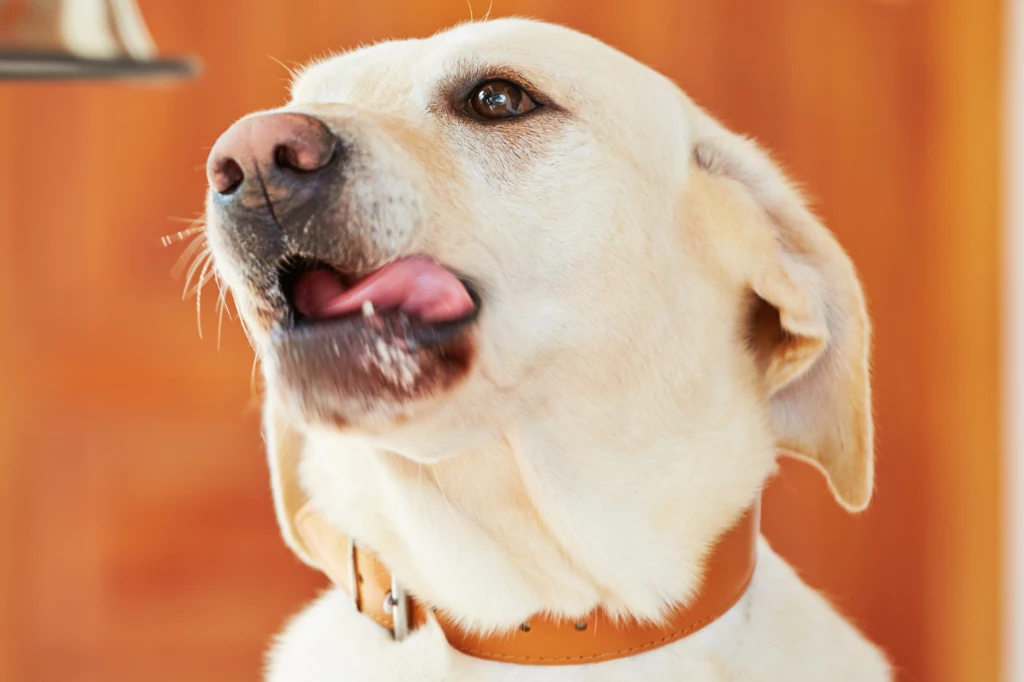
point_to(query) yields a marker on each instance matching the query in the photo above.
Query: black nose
(280, 151)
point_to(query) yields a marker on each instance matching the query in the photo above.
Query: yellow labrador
(534, 329)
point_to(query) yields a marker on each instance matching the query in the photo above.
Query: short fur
(662, 316)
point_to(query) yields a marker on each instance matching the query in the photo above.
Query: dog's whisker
(198, 243)
(222, 297)
(221, 305)
(200, 268)
(208, 275)
(194, 254)
(253, 387)
(195, 226)
(196, 260)
(245, 330)
(181, 235)
(204, 277)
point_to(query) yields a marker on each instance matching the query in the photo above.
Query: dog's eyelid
(515, 79)
(457, 88)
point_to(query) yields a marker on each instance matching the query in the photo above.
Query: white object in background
(85, 27)
(135, 38)
(80, 39)
(88, 29)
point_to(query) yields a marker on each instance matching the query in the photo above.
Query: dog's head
(512, 232)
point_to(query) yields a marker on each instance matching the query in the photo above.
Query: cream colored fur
(662, 317)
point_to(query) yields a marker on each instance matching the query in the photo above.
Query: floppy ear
(808, 327)
(284, 448)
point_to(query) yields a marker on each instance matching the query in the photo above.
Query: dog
(534, 328)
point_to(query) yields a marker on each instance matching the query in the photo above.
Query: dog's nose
(271, 149)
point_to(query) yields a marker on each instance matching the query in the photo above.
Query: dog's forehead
(409, 71)
(360, 75)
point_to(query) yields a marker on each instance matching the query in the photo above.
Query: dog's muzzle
(274, 183)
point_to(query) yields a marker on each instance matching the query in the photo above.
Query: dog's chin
(367, 373)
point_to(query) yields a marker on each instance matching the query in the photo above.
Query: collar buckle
(396, 601)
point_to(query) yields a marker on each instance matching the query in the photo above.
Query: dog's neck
(498, 536)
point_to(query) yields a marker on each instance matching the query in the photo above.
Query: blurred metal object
(80, 39)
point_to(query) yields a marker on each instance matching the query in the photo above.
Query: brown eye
(500, 99)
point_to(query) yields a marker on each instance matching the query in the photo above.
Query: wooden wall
(136, 535)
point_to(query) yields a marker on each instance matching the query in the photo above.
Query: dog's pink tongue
(417, 286)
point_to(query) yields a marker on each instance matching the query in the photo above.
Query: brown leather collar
(545, 639)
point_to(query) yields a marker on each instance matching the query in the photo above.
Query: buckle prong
(399, 609)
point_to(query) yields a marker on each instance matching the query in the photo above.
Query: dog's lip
(392, 326)
(393, 322)
(416, 285)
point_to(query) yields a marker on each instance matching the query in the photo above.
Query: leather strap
(544, 639)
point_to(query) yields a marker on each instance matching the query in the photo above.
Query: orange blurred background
(137, 539)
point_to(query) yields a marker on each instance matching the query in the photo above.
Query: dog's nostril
(227, 176)
(287, 157)
(303, 156)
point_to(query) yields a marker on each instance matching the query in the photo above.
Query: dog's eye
(500, 99)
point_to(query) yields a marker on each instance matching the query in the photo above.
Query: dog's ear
(808, 325)
(284, 449)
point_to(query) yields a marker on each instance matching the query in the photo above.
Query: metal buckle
(396, 601)
(399, 609)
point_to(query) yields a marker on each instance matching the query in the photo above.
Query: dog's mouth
(425, 300)
(358, 346)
